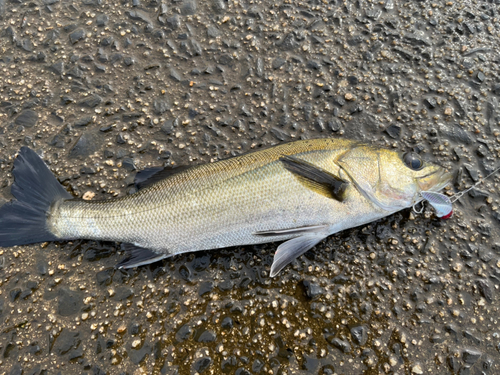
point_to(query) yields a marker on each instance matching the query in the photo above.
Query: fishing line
(441, 203)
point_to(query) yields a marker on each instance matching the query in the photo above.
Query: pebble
(77, 35)
(69, 301)
(27, 118)
(202, 364)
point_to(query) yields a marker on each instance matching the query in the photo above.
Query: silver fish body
(251, 199)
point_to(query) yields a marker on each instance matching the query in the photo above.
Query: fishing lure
(442, 204)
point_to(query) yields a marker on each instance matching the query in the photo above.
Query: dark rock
(129, 60)
(189, 7)
(28, 118)
(88, 170)
(69, 302)
(129, 116)
(174, 22)
(342, 345)
(76, 35)
(76, 353)
(227, 323)
(431, 103)
(66, 341)
(183, 333)
(137, 356)
(359, 335)
(202, 364)
(455, 133)
(86, 145)
(288, 43)
(174, 74)
(207, 336)
(485, 289)
(471, 356)
(168, 127)
(139, 15)
(160, 106)
(102, 20)
(394, 131)
(104, 277)
(219, 6)
(418, 38)
(472, 171)
(312, 290)
(278, 62)
(310, 364)
(129, 164)
(279, 134)
(57, 68)
(257, 366)
(91, 101)
(123, 293)
(205, 288)
(213, 32)
(14, 294)
(84, 121)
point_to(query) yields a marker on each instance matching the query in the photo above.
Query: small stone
(342, 345)
(278, 63)
(312, 290)
(91, 101)
(69, 302)
(136, 343)
(102, 20)
(139, 15)
(471, 356)
(28, 118)
(66, 341)
(417, 369)
(202, 364)
(394, 131)
(76, 36)
(359, 334)
(189, 7)
(174, 22)
(207, 336)
(89, 195)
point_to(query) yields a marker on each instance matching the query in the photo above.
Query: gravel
(103, 89)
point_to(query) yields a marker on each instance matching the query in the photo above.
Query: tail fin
(24, 220)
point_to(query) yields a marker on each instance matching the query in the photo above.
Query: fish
(297, 193)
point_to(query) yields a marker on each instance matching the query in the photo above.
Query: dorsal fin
(149, 176)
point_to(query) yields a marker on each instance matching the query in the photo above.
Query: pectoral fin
(315, 178)
(138, 256)
(292, 249)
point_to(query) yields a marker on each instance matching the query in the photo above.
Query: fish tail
(24, 219)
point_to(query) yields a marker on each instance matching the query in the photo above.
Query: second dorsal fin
(149, 176)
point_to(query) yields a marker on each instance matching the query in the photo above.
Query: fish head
(390, 179)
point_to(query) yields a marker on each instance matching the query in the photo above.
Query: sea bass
(299, 192)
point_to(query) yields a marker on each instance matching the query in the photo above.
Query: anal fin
(292, 249)
(139, 256)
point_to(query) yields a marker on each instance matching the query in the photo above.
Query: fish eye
(413, 161)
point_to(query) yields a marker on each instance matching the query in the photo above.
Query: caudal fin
(24, 220)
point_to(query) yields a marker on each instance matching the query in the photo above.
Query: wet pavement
(101, 89)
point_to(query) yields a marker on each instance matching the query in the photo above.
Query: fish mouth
(435, 180)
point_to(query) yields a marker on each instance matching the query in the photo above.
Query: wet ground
(101, 89)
